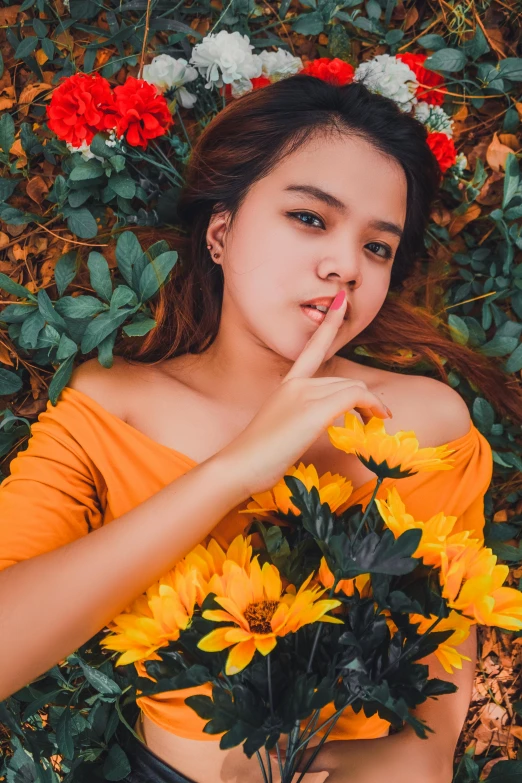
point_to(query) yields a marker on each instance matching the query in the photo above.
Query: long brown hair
(241, 145)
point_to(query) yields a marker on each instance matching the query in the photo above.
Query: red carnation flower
(443, 148)
(423, 75)
(143, 112)
(331, 70)
(260, 81)
(81, 106)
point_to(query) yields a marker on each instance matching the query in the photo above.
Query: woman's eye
(387, 251)
(297, 215)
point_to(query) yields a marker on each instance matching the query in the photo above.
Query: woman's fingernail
(390, 414)
(337, 302)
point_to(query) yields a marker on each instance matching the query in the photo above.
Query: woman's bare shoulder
(110, 387)
(433, 409)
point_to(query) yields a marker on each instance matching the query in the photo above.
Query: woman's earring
(210, 248)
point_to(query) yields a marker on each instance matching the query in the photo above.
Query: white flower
(460, 164)
(169, 73)
(277, 65)
(226, 58)
(434, 117)
(390, 77)
(85, 151)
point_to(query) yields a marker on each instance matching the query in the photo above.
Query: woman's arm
(53, 603)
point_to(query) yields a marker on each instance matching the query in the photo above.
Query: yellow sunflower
(333, 489)
(446, 653)
(436, 532)
(210, 560)
(259, 613)
(473, 584)
(362, 581)
(154, 619)
(392, 456)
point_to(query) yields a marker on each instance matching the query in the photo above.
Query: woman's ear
(215, 236)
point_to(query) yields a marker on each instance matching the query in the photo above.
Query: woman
(299, 191)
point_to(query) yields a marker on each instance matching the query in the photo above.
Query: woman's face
(288, 247)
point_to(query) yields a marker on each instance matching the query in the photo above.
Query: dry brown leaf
(8, 15)
(36, 189)
(5, 356)
(501, 516)
(29, 93)
(497, 153)
(4, 239)
(460, 221)
(510, 140)
(411, 17)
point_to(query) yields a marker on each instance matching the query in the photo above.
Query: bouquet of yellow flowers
(333, 609)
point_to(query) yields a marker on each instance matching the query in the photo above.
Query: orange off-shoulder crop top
(84, 467)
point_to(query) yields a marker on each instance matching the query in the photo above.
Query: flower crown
(138, 110)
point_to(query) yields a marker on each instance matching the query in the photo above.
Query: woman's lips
(316, 315)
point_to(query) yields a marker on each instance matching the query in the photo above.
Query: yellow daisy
(154, 619)
(436, 532)
(333, 489)
(259, 612)
(393, 456)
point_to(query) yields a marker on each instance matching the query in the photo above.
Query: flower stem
(258, 754)
(318, 632)
(367, 509)
(271, 700)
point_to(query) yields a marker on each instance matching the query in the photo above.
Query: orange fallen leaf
(458, 222)
(497, 153)
(29, 93)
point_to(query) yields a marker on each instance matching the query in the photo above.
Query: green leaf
(99, 147)
(155, 274)
(309, 24)
(47, 310)
(129, 255)
(9, 382)
(99, 680)
(511, 68)
(514, 363)
(432, 41)
(64, 734)
(6, 284)
(459, 331)
(499, 345)
(7, 187)
(511, 179)
(505, 772)
(60, 378)
(7, 132)
(483, 415)
(91, 169)
(139, 327)
(116, 766)
(123, 185)
(83, 306)
(446, 60)
(100, 275)
(65, 271)
(26, 47)
(82, 223)
(101, 327)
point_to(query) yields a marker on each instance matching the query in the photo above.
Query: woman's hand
(392, 759)
(297, 413)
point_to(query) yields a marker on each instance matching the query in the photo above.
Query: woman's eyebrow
(332, 201)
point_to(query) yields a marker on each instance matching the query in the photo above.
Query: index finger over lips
(312, 355)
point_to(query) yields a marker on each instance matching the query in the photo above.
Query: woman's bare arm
(53, 603)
